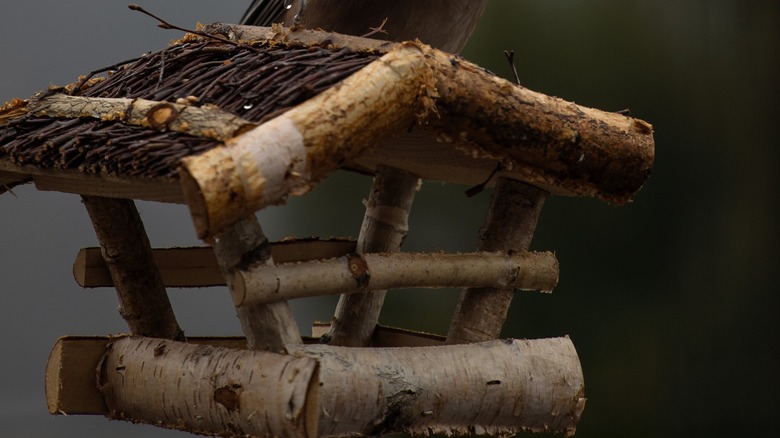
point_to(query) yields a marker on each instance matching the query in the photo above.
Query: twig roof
(254, 82)
(324, 101)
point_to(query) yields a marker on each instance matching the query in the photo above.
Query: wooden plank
(73, 181)
(12, 178)
(197, 266)
(179, 267)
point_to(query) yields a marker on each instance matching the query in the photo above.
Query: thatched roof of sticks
(253, 82)
(412, 107)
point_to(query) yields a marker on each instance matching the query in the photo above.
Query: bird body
(444, 24)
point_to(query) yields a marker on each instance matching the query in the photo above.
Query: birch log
(495, 388)
(368, 272)
(210, 390)
(491, 388)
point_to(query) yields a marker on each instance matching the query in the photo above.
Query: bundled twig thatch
(255, 82)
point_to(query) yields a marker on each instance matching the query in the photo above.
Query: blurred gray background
(672, 301)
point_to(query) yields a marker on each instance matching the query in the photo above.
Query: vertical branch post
(143, 300)
(384, 229)
(511, 220)
(266, 326)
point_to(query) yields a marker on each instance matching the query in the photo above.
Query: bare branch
(369, 272)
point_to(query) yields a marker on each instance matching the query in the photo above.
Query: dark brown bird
(444, 24)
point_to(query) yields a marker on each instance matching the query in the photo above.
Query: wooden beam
(70, 370)
(107, 186)
(198, 267)
(372, 391)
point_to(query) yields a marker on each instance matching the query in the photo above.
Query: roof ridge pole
(266, 326)
(385, 225)
(509, 226)
(143, 300)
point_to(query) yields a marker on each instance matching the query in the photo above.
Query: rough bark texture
(543, 140)
(210, 390)
(291, 152)
(361, 275)
(266, 326)
(492, 388)
(546, 141)
(384, 229)
(512, 216)
(143, 300)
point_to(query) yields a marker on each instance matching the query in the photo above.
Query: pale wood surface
(502, 387)
(360, 274)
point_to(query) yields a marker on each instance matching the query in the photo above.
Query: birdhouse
(231, 119)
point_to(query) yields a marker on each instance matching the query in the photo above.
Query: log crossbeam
(258, 393)
(363, 275)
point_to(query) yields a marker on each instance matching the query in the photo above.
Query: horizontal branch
(206, 121)
(197, 266)
(367, 272)
(497, 387)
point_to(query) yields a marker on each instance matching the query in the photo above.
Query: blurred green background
(671, 301)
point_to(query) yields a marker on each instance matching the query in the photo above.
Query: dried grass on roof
(256, 83)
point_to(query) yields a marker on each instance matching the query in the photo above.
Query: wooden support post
(384, 229)
(143, 300)
(511, 220)
(266, 326)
